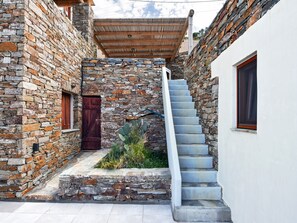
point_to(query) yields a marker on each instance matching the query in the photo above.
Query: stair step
(178, 87)
(202, 211)
(182, 105)
(192, 149)
(186, 120)
(204, 203)
(190, 138)
(201, 191)
(181, 98)
(177, 82)
(184, 112)
(187, 129)
(194, 162)
(179, 92)
(199, 175)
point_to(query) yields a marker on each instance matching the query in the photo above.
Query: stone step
(199, 175)
(192, 149)
(178, 87)
(177, 82)
(190, 138)
(187, 129)
(195, 162)
(201, 191)
(184, 112)
(181, 98)
(185, 120)
(202, 211)
(179, 92)
(182, 105)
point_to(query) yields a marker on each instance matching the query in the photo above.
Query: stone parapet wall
(45, 53)
(127, 87)
(124, 185)
(232, 21)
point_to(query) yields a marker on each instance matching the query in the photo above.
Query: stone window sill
(244, 130)
(69, 130)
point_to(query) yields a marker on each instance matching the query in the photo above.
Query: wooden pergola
(67, 3)
(141, 38)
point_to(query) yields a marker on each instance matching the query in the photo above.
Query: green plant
(131, 150)
(111, 160)
(136, 153)
(132, 132)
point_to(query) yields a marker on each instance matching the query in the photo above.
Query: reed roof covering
(140, 38)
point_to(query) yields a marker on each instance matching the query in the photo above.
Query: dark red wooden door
(91, 138)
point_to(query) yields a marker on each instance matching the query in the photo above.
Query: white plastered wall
(258, 171)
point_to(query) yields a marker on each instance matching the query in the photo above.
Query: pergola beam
(134, 55)
(97, 23)
(191, 13)
(138, 33)
(131, 41)
(141, 47)
(101, 47)
(145, 56)
(140, 52)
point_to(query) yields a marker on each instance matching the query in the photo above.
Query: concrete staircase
(201, 194)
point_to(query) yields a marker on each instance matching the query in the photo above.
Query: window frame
(70, 108)
(238, 124)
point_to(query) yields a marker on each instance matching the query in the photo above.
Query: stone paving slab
(38, 212)
(83, 163)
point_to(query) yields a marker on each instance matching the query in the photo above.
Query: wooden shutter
(66, 110)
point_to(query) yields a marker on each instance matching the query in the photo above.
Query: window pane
(247, 94)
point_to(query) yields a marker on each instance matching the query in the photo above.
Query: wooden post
(190, 31)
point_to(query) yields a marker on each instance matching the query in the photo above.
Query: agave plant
(132, 132)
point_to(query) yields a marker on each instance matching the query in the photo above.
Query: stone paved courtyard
(31, 212)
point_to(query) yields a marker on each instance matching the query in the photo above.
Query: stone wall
(125, 185)
(177, 65)
(11, 75)
(41, 54)
(127, 87)
(83, 20)
(232, 21)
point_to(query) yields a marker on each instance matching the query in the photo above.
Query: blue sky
(204, 12)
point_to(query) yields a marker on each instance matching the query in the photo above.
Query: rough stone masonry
(40, 56)
(127, 88)
(232, 21)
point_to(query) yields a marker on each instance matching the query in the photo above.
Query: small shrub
(131, 151)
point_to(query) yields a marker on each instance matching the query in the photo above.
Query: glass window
(247, 94)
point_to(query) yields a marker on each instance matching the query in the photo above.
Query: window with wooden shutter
(68, 12)
(66, 103)
(247, 94)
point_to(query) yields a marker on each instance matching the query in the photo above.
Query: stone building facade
(40, 56)
(232, 21)
(127, 88)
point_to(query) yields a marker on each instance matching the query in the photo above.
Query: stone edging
(83, 182)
